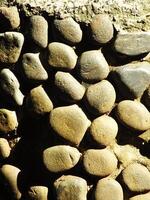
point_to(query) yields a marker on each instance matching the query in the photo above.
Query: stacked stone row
(74, 115)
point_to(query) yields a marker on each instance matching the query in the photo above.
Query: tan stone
(38, 193)
(71, 188)
(99, 162)
(60, 158)
(4, 148)
(141, 197)
(69, 122)
(145, 136)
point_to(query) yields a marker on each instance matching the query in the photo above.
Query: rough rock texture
(38, 192)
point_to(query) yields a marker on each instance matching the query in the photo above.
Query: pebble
(10, 47)
(132, 44)
(93, 66)
(38, 31)
(4, 149)
(10, 86)
(74, 123)
(61, 56)
(108, 188)
(99, 162)
(71, 90)
(38, 193)
(128, 75)
(134, 115)
(71, 188)
(38, 103)
(60, 158)
(141, 197)
(136, 177)
(101, 97)
(101, 29)
(104, 130)
(10, 175)
(9, 18)
(32, 68)
(8, 121)
(68, 30)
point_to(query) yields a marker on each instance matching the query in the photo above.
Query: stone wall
(74, 108)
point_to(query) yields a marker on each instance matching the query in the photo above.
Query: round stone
(100, 162)
(141, 197)
(74, 123)
(136, 177)
(61, 56)
(38, 30)
(71, 187)
(108, 188)
(101, 28)
(101, 97)
(71, 90)
(68, 30)
(38, 193)
(93, 66)
(60, 158)
(134, 115)
(4, 148)
(8, 121)
(104, 130)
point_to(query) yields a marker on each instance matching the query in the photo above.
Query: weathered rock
(132, 44)
(145, 136)
(101, 29)
(68, 30)
(61, 56)
(136, 177)
(93, 66)
(9, 85)
(60, 158)
(38, 30)
(38, 193)
(71, 90)
(9, 18)
(134, 115)
(10, 47)
(4, 148)
(108, 188)
(38, 103)
(135, 77)
(104, 130)
(10, 175)
(8, 120)
(141, 197)
(32, 68)
(71, 187)
(99, 162)
(146, 98)
(74, 123)
(101, 97)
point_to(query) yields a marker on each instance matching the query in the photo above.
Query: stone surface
(134, 115)
(61, 56)
(146, 98)
(9, 18)
(32, 68)
(10, 175)
(8, 121)
(71, 187)
(132, 44)
(101, 29)
(38, 193)
(145, 136)
(136, 177)
(68, 30)
(74, 123)
(99, 162)
(92, 66)
(71, 90)
(108, 188)
(60, 158)
(10, 86)
(135, 77)
(38, 103)
(101, 97)
(141, 197)
(4, 149)
(104, 130)
(10, 47)
(38, 31)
